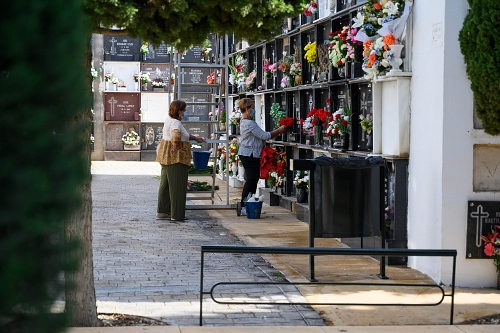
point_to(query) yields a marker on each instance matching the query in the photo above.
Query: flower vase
(331, 141)
(298, 80)
(144, 57)
(301, 195)
(106, 85)
(241, 172)
(369, 141)
(222, 127)
(344, 137)
(318, 135)
(395, 60)
(144, 87)
(234, 169)
(136, 85)
(238, 129)
(233, 129)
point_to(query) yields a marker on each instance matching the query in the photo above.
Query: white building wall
(441, 146)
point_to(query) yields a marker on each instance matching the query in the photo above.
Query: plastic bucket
(200, 159)
(253, 209)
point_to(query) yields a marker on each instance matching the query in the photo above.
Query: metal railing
(327, 252)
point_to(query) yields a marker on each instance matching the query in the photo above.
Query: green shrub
(479, 42)
(43, 87)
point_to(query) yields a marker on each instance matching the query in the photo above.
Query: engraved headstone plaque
(482, 216)
(195, 112)
(159, 53)
(121, 48)
(124, 72)
(154, 107)
(193, 55)
(157, 70)
(121, 106)
(153, 133)
(114, 133)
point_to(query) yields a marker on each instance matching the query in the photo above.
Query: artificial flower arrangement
(158, 83)
(311, 8)
(285, 63)
(144, 78)
(121, 84)
(108, 76)
(269, 69)
(315, 117)
(233, 154)
(277, 113)
(366, 122)
(276, 177)
(114, 80)
(221, 157)
(238, 71)
(172, 79)
(301, 179)
(381, 24)
(222, 113)
(205, 52)
(287, 121)
(340, 122)
(94, 73)
(492, 246)
(131, 138)
(211, 78)
(311, 53)
(375, 14)
(144, 48)
(137, 77)
(235, 117)
(338, 47)
(296, 69)
(250, 80)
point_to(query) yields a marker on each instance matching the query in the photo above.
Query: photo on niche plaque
(482, 218)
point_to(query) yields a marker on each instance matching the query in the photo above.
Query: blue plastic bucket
(253, 209)
(200, 159)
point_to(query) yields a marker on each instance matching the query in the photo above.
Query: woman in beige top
(174, 155)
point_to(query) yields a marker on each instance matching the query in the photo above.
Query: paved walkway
(151, 268)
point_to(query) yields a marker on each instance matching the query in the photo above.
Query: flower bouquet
(374, 15)
(311, 53)
(301, 179)
(366, 122)
(131, 139)
(144, 78)
(211, 78)
(311, 8)
(277, 113)
(287, 121)
(285, 63)
(144, 48)
(250, 80)
(269, 69)
(158, 83)
(338, 47)
(94, 73)
(492, 246)
(376, 56)
(108, 76)
(238, 69)
(340, 122)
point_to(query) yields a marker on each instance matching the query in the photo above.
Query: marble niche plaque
(114, 133)
(486, 168)
(154, 107)
(121, 48)
(124, 71)
(153, 133)
(156, 70)
(159, 53)
(121, 106)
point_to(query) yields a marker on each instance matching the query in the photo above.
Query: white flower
(358, 20)
(391, 8)
(114, 80)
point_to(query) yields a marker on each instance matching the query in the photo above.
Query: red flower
(314, 122)
(344, 122)
(314, 4)
(336, 131)
(337, 116)
(301, 121)
(328, 101)
(489, 249)
(287, 121)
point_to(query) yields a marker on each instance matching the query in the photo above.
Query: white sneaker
(244, 211)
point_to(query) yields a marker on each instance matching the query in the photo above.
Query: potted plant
(131, 140)
(301, 182)
(158, 85)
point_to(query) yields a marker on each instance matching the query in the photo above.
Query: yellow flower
(310, 55)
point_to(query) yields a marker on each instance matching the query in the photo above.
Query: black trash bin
(348, 196)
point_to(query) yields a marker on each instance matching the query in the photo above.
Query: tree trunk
(80, 292)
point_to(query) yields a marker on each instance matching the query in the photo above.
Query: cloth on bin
(349, 162)
(268, 162)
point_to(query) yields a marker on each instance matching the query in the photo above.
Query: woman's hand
(199, 139)
(283, 129)
(176, 146)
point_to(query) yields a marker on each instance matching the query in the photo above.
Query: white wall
(441, 143)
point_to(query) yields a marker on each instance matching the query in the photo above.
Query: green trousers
(172, 192)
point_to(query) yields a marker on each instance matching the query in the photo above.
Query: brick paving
(151, 268)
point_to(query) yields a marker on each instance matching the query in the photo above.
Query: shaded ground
(117, 319)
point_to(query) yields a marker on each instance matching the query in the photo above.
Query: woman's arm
(278, 131)
(196, 138)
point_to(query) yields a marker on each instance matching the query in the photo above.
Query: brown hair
(245, 103)
(175, 107)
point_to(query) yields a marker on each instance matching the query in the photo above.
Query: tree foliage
(480, 45)
(42, 85)
(184, 23)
